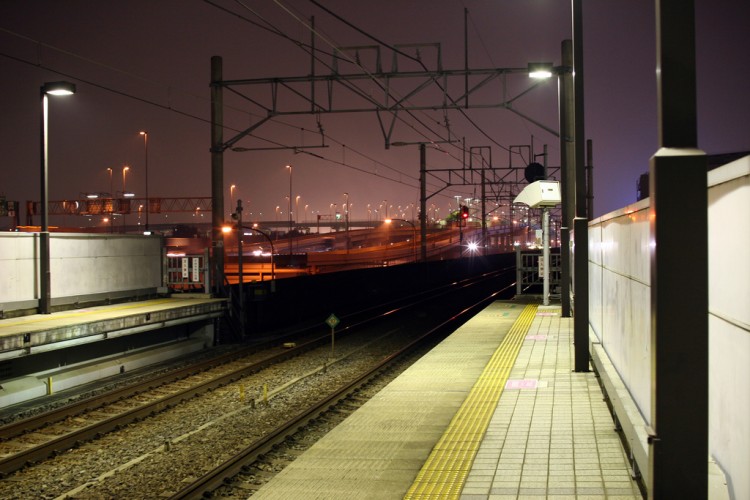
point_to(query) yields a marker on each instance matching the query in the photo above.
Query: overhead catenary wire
(270, 27)
(342, 55)
(306, 47)
(417, 60)
(167, 107)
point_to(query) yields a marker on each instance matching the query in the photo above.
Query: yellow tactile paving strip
(444, 473)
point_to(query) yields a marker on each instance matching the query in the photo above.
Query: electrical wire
(188, 114)
(308, 49)
(418, 61)
(375, 80)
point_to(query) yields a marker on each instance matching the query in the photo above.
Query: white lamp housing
(540, 194)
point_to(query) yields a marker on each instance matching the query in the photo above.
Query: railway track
(384, 371)
(65, 432)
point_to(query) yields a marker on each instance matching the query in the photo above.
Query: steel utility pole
(217, 174)
(580, 224)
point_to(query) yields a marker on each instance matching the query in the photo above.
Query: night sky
(145, 65)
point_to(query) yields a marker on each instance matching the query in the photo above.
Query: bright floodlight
(540, 70)
(59, 88)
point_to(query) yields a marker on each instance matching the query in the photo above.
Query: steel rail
(218, 476)
(42, 451)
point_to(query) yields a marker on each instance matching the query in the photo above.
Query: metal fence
(529, 272)
(187, 273)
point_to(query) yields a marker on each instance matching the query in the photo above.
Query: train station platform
(24, 337)
(43, 332)
(493, 412)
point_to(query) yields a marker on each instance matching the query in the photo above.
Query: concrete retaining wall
(619, 283)
(84, 267)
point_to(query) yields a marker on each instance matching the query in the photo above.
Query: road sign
(332, 321)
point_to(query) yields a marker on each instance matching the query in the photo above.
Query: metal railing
(529, 271)
(187, 273)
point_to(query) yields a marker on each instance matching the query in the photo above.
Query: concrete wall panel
(82, 266)
(729, 322)
(17, 267)
(623, 297)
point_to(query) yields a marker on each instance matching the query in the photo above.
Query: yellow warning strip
(444, 473)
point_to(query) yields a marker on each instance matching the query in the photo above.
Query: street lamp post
(111, 200)
(50, 88)
(238, 215)
(346, 222)
(290, 213)
(414, 239)
(145, 147)
(296, 205)
(570, 102)
(273, 250)
(125, 193)
(124, 173)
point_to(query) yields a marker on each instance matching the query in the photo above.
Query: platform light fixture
(56, 89)
(540, 70)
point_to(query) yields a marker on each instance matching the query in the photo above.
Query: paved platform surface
(43, 332)
(493, 412)
(37, 322)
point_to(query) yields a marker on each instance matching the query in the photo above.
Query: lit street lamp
(57, 89)
(145, 147)
(346, 222)
(296, 205)
(567, 113)
(124, 173)
(111, 199)
(290, 213)
(111, 189)
(414, 239)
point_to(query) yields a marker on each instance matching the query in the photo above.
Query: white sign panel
(196, 269)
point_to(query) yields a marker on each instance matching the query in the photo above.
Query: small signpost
(333, 321)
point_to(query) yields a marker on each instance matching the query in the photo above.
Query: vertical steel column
(545, 255)
(519, 272)
(589, 179)
(567, 166)
(580, 224)
(484, 211)
(581, 293)
(422, 202)
(217, 173)
(240, 266)
(678, 458)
